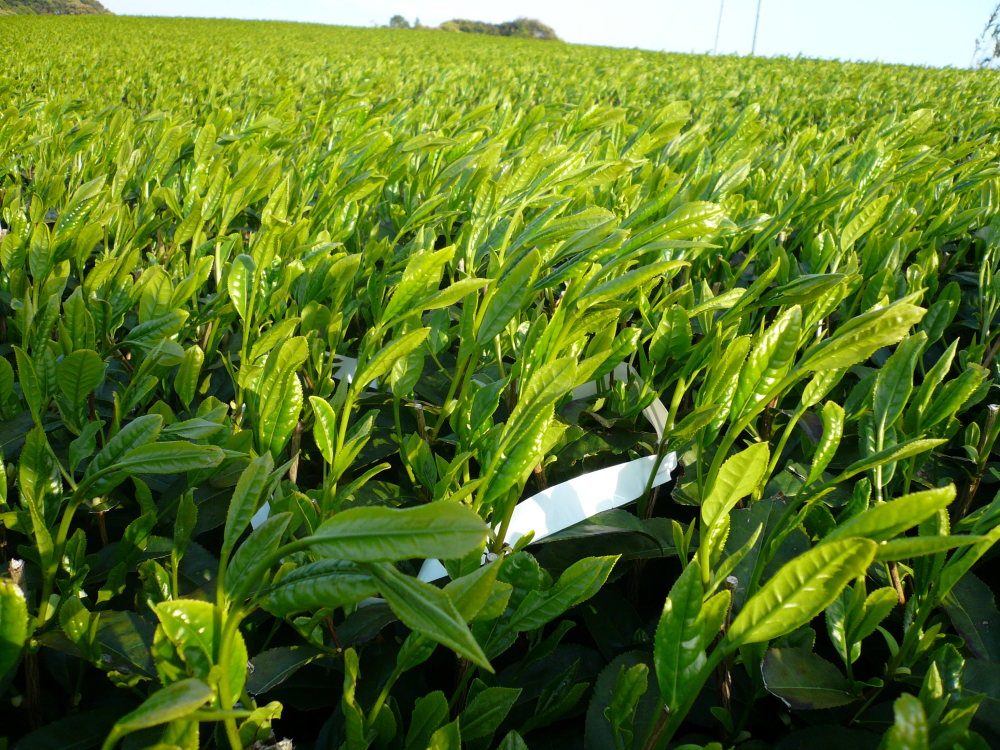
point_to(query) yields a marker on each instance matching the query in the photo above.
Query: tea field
(317, 344)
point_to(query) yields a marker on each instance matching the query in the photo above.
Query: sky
(912, 32)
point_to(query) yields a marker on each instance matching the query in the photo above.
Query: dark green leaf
(319, 585)
(487, 709)
(246, 498)
(165, 705)
(972, 608)
(430, 712)
(804, 680)
(272, 667)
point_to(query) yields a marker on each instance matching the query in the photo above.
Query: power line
(718, 26)
(756, 23)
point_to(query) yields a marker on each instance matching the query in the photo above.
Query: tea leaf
(165, 705)
(800, 590)
(889, 519)
(388, 355)
(909, 730)
(246, 498)
(679, 643)
(79, 374)
(486, 711)
(240, 285)
(578, 582)
(861, 337)
(325, 427)
(443, 530)
(428, 611)
(888, 455)
(804, 680)
(909, 547)
(13, 624)
(738, 477)
(172, 457)
(833, 430)
(256, 548)
(508, 297)
(320, 585)
(769, 361)
(429, 713)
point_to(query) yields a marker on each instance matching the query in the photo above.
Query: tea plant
(286, 310)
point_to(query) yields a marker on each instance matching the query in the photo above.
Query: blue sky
(921, 32)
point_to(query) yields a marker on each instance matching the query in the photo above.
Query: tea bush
(287, 310)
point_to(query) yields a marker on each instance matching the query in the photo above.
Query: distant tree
(398, 22)
(54, 7)
(987, 54)
(470, 27)
(525, 28)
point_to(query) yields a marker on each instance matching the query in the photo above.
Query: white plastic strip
(575, 500)
(346, 367)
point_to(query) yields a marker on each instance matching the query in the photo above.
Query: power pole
(718, 26)
(756, 23)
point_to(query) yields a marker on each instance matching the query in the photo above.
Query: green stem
(462, 687)
(397, 418)
(207, 714)
(62, 470)
(499, 356)
(466, 377)
(345, 416)
(460, 367)
(910, 638)
(662, 715)
(231, 624)
(676, 716)
(879, 445)
(229, 631)
(645, 501)
(785, 436)
(175, 589)
(59, 547)
(383, 695)
(509, 506)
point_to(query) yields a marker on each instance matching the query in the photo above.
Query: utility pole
(718, 26)
(756, 23)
